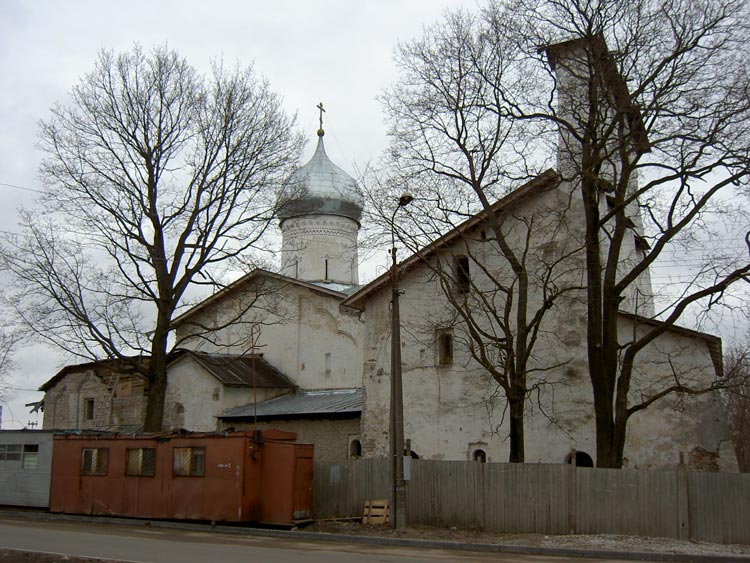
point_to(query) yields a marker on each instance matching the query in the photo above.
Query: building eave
(539, 184)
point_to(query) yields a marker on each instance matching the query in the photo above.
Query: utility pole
(398, 509)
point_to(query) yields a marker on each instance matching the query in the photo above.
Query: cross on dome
(320, 130)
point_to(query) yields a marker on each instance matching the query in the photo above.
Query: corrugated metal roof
(303, 403)
(237, 371)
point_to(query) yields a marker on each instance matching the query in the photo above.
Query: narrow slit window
(88, 409)
(445, 348)
(462, 273)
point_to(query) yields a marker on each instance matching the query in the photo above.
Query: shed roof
(237, 371)
(304, 404)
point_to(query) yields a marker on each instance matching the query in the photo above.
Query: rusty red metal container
(263, 477)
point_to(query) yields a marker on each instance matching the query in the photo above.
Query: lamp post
(398, 509)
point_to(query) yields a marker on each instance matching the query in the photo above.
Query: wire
(17, 187)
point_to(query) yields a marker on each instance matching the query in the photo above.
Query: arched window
(445, 348)
(355, 449)
(480, 456)
(582, 459)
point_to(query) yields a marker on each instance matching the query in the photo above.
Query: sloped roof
(124, 366)
(321, 188)
(247, 278)
(235, 370)
(304, 404)
(712, 342)
(541, 183)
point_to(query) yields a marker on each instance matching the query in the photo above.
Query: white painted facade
(195, 397)
(454, 409)
(299, 328)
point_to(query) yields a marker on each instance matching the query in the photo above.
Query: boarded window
(462, 273)
(88, 409)
(140, 462)
(189, 462)
(94, 461)
(445, 348)
(30, 456)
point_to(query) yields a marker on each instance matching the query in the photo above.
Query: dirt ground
(593, 542)
(12, 556)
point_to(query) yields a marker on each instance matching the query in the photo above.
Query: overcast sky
(335, 51)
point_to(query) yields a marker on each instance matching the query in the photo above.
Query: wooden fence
(547, 498)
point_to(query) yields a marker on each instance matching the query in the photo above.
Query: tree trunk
(157, 395)
(517, 406)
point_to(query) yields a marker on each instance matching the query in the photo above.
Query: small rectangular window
(328, 363)
(189, 462)
(13, 452)
(445, 348)
(94, 461)
(462, 274)
(30, 456)
(140, 462)
(88, 409)
(10, 452)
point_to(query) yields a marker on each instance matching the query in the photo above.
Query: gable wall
(451, 410)
(298, 327)
(118, 400)
(195, 397)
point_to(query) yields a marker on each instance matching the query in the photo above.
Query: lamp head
(405, 200)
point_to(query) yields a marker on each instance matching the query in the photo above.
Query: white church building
(307, 349)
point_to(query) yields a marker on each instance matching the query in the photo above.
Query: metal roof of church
(304, 404)
(321, 188)
(237, 371)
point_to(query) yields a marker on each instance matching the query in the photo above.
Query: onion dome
(321, 188)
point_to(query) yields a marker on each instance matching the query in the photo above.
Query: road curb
(384, 541)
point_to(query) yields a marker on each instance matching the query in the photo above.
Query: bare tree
(454, 146)
(645, 105)
(737, 402)
(8, 342)
(155, 178)
(651, 99)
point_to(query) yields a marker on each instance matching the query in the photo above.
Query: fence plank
(446, 493)
(544, 498)
(622, 501)
(719, 507)
(340, 489)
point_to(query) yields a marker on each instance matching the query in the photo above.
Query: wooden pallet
(376, 512)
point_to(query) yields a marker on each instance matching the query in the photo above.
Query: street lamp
(398, 510)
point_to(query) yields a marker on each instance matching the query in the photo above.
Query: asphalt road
(157, 545)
